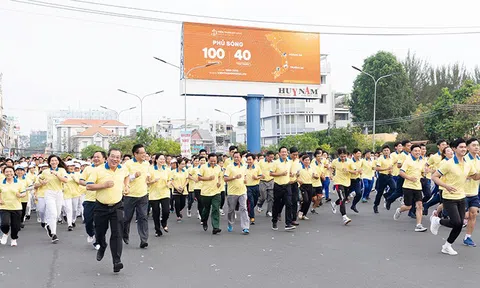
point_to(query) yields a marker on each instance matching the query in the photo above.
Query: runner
(210, 175)
(472, 190)
(159, 195)
(306, 175)
(11, 191)
(71, 195)
(342, 170)
(235, 177)
(179, 178)
(266, 184)
(384, 166)
(368, 169)
(253, 177)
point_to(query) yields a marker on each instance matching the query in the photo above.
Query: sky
(54, 59)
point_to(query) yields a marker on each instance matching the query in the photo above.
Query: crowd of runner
(106, 190)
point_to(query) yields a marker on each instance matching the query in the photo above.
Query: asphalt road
(373, 251)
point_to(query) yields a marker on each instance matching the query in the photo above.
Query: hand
(450, 189)
(212, 177)
(413, 179)
(238, 176)
(54, 173)
(344, 169)
(1, 202)
(285, 173)
(126, 190)
(218, 185)
(108, 184)
(43, 182)
(291, 174)
(156, 180)
(138, 174)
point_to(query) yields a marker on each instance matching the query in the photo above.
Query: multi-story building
(54, 118)
(38, 139)
(75, 134)
(343, 117)
(283, 117)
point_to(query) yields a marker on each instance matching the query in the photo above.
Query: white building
(54, 118)
(343, 117)
(75, 134)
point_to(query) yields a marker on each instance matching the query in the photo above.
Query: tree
(304, 142)
(241, 147)
(272, 147)
(394, 94)
(124, 144)
(88, 151)
(160, 145)
(145, 137)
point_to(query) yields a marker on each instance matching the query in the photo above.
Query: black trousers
(282, 196)
(24, 211)
(191, 199)
(157, 205)
(113, 215)
(199, 201)
(384, 181)
(179, 203)
(342, 192)
(456, 212)
(294, 188)
(11, 220)
(307, 195)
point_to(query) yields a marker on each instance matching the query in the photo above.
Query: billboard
(250, 54)
(185, 143)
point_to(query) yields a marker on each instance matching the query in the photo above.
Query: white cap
(19, 167)
(84, 163)
(42, 165)
(173, 161)
(70, 163)
(31, 165)
(24, 164)
(77, 165)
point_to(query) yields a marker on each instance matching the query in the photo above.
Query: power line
(276, 22)
(152, 19)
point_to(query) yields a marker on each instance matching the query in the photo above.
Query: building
(38, 139)
(343, 117)
(75, 134)
(284, 117)
(202, 139)
(54, 118)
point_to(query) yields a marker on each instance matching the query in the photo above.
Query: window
(277, 104)
(309, 118)
(323, 98)
(290, 119)
(278, 121)
(323, 79)
(341, 116)
(322, 118)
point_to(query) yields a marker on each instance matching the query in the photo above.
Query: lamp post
(141, 101)
(230, 116)
(375, 81)
(185, 81)
(118, 112)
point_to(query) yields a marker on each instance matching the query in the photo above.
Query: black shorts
(317, 190)
(410, 196)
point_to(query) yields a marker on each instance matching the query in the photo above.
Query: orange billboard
(250, 54)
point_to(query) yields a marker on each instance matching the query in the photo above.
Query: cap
(173, 161)
(43, 165)
(77, 165)
(19, 167)
(70, 163)
(31, 165)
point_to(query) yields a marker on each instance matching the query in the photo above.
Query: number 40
(243, 55)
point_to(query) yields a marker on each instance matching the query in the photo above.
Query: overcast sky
(55, 59)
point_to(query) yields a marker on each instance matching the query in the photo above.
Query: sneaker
(39, 220)
(205, 226)
(179, 219)
(100, 253)
(448, 250)
(54, 239)
(13, 243)
(269, 214)
(252, 221)
(300, 215)
(469, 242)
(388, 204)
(259, 209)
(222, 213)
(420, 228)
(73, 225)
(397, 214)
(90, 239)
(351, 196)
(334, 207)
(117, 267)
(235, 215)
(274, 227)
(306, 218)
(70, 228)
(364, 200)
(4, 239)
(354, 209)
(346, 220)
(246, 231)
(96, 246)
(189, 214)
(313, 211)
(328, 200)
(289, 227)
(385, 204)
(49, 232)
(165, 229)
(375, 209)
(143, 245)
(434, 224)
(215, 231)
(229, 227)
(27, 217)
(198, 216)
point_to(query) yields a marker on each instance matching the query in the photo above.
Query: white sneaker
(235, 215)
(189, 214)
(198, 216)
(420, 228)
(434, 224)
(306, 218)
(97, 247)
(269, 214)
(352, 195)
(90, 239)
(4, 239)
(39, 220)
(13, 243)
(334, 207)
(300, 215)
(346, 220)
(448, 250)
(397, 214)
(385, 204)
(259, 209)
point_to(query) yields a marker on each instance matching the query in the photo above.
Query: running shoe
(469, 242)
(397, 214)
(449, 250)
(420, 228)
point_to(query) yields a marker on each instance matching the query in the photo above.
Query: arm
(126, 185)
(436, 178)
(404, 176)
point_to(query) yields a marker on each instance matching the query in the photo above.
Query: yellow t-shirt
(237, 186)
(179, 178)
(71, 189)
(413, 167)
(254, 170)
(294, 170)
(222, 181)
(159, 189)
(24, 182)
(305, 174)
(9, 191)
(194, 174)
(434, 161)
(367, 169)
(341, 177)
(209, 188)
(266, 167)
(89, 195)
(319, 169)
(280, 166)
(355, 165)
(396, 158)
(471, 187)
(53, 183)
(102, 174)
(40, 191)
(385, 162)
(455, 174)
(138, 186)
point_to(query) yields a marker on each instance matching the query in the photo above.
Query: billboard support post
(253, 122)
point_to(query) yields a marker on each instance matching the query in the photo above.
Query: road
(373, 251)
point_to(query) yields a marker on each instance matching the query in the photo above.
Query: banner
(185, 143)
(250, 54)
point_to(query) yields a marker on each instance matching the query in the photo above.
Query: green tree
(394, 94)
(272, 147)
(145, 137)
(124, 144)
(304, 142)
(160, 145)
(88, 151)
(241, 147)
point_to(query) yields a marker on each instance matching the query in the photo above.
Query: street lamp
(141, 101)
(185, 81)
(374, 97)
(230, 116)
(118, 112)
